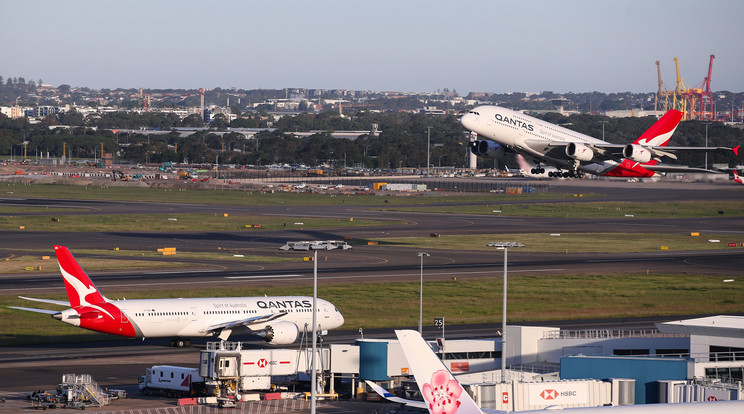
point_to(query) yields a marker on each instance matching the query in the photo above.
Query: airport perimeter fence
(466, 185)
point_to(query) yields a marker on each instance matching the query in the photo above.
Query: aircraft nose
(468, 121)
(339, 318)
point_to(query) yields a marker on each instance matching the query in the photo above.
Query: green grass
(225, 197)
(594, 209)
(385, 305)
(573, 242)
(177, 222)
(25, 262)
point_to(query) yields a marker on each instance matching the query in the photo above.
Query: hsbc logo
(549, 394)
(262, 363)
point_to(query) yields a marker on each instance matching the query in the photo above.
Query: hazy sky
(415, 46)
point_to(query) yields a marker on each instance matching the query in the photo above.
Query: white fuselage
(192, 317)
(529, 136)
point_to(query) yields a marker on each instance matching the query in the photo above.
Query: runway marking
(261, 276)
(168, 272)
(630, 260)
(499, 271)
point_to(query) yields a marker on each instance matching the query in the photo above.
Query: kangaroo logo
(82, 291)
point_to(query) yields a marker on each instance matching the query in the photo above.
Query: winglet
(80, 289)
(736, 149)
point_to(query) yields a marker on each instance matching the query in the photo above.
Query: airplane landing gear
(566, 174)
(538, 170)
(180, 342)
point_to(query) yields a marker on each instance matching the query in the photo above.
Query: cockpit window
(473, 112)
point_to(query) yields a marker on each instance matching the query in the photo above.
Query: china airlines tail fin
(80, 289)
(661, 131)
(441, 391)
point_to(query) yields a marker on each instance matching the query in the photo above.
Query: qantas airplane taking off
(278, 319)
(505, 130)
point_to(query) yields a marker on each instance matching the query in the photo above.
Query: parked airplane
(737, 179)
(505, 130)
(444, 394)
(277, 319)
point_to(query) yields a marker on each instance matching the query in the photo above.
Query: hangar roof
(720, 325)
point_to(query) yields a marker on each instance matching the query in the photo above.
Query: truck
(172, 381)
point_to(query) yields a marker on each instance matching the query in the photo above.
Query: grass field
(385, 305)
(22, 262)
(224, 197)
(597, 209)
(574, 242)
(176, 222)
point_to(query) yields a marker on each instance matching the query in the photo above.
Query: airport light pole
(706, 143)
(505, 247)
(313, 367)
(428, 145)
(603, 124)
(421, 292)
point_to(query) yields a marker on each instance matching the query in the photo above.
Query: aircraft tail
(442, 392)
(80, 289)
(661, 131)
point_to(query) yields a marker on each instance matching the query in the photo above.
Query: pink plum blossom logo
(442, 393)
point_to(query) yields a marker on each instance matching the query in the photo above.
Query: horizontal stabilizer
(382, 392)
(45, 311)
(52, 301)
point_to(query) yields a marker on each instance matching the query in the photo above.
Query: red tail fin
(661, 131)
(80, 289)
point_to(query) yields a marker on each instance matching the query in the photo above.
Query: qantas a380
(504, 130)
(277, 319)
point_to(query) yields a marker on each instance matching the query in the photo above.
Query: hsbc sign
(550, 393)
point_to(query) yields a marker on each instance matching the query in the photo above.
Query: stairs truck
(172, 382)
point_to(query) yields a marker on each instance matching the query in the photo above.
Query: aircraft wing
(607, 151)
(245, 322)
(46, 311)
(390, 397)
(557, 149)
(52, 301)
(667, 168)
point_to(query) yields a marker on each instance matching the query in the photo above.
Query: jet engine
(280, 333)
(636, 153)
(484, 148)
(579, 152)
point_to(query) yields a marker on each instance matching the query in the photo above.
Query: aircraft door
(193, 313)
(326, 311)
(227, 366)
(124, 318)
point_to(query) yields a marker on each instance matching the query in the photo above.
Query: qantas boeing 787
(505, 130)
(278, 319)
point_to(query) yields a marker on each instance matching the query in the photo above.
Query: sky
(376, 45)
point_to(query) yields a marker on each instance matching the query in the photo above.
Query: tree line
(401, 140)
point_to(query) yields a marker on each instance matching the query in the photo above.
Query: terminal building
(693, 360)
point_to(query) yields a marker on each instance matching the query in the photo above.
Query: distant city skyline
(408, 46)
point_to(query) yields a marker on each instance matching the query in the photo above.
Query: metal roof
(720, 325)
